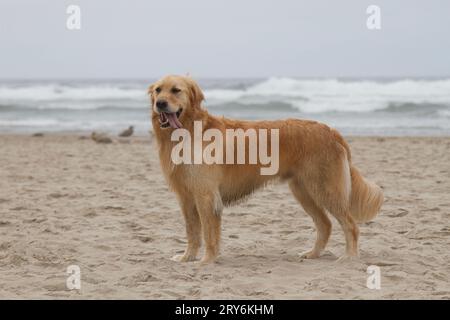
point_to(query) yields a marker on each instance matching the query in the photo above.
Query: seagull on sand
(127, 133)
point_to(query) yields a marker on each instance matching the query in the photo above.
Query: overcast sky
(227, 38)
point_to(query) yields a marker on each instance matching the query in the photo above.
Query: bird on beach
(100, 137)
(127, 132)
(38, 134)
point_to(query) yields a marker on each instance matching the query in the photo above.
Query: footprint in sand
(400, 213)
(144, 239)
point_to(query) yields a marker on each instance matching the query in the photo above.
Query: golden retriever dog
(313, 159)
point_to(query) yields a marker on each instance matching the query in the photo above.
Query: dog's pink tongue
(173, 120)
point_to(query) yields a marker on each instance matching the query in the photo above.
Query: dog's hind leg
(319, 216)
(209, 206)
(193, 229)
(336, 196)
(351, 232)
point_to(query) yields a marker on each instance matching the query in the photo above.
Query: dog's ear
(150, 92)
(195, 93)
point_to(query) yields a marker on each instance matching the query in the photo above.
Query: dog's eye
(158, 90)
(175, 90)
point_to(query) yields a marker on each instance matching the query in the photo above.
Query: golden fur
(313, 159)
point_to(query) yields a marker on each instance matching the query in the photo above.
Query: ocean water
(355, 107)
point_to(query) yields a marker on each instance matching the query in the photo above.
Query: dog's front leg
(193, 229)
(209, 206)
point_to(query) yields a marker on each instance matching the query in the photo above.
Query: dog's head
(173, 98)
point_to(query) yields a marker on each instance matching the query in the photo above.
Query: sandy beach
(66, 201)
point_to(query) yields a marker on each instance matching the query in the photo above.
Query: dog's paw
(310, 255)
(182, 258)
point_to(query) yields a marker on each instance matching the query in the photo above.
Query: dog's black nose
(161, 105)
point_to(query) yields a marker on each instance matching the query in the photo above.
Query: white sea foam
(407, 106)
(334, 95)
(305, 95)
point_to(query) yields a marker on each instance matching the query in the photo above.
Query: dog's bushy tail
(366, 197)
